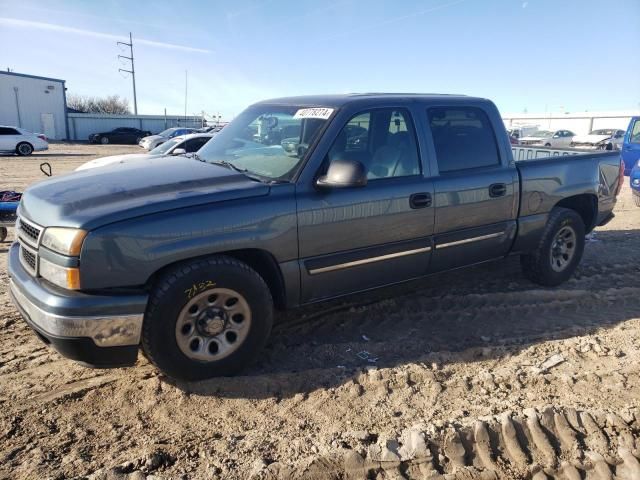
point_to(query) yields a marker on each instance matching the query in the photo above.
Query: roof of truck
(339, 100)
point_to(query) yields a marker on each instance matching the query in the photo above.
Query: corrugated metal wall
(81, 125)
(24, 100)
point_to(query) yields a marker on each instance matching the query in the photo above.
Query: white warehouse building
(37, 104)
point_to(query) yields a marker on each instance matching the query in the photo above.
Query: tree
(112, 104)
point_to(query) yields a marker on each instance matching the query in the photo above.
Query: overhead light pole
(132, 71)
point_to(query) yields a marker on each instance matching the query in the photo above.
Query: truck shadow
(484, 312)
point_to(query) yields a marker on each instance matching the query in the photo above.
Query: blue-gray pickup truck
(297, 200)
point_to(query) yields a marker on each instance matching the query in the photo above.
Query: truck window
(383, 140)
(463, 138)
(635, 133)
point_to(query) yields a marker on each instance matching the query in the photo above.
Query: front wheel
(104, 140)
(636, 199)
(3, 233)
(207, 318)
(23, 149)
(559, 251)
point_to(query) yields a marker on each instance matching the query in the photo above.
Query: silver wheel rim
(563, 248)
(24, 149)
(213, 325)
(104, 140)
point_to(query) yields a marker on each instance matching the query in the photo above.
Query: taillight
(620, 179)
(42, 137)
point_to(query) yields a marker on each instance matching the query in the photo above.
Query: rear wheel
(559, 251)
(636, 199)
(138, 140)
(104, 140)
(207, 318)
(3, 234)
(23, 149)
(547, 144)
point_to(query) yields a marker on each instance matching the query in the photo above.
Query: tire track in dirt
(552, 443)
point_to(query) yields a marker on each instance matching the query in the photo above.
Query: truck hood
(101, 162)
(590, 138)
(91, 198)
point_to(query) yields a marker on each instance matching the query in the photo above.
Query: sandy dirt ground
(476, 373)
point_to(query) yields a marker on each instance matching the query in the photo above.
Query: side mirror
(178, 151)
(343, 174)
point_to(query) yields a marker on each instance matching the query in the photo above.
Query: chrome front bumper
(105, 331)
(107, 320)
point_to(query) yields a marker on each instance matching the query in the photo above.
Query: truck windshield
(266, 140)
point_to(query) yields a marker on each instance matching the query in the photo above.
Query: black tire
(636, 199)
(104, 140)
(172, 293)
(537, 265)
(24, 149)
(547, 145)
(3, 233)
(609, 147)
(138, 140)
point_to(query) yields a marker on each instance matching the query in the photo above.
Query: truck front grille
(29, 239)
(29, 259)
(29, 232)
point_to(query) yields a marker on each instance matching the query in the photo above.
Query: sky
(526, 55)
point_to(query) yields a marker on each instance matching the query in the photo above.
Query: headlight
(64, 277)
(67, 241)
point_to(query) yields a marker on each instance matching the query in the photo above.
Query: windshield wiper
(230, 165)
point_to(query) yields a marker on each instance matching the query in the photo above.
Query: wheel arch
(585, 205)
(262, 261)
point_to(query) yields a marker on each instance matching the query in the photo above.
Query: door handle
(497, 190)
(420, 200)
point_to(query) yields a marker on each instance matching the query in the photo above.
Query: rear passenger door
(476, 194)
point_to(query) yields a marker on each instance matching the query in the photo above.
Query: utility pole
(185, 96)
(132, 71)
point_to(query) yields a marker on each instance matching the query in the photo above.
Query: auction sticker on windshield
(322, 113)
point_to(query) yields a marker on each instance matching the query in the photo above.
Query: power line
(132, 71)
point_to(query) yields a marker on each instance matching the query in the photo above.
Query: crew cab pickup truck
(188, 259)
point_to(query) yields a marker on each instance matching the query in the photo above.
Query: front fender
(128, 253)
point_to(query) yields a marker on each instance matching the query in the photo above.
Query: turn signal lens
(64, 277)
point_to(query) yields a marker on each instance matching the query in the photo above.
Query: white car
(602, 139)
(20, 141)
(176, 146)
(548, 138)
(152, 141)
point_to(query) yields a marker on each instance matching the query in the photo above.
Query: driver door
(357, 238)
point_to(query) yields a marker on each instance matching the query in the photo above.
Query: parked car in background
(522, 131)
(20, 141)
(513, 140)
(549, 138)
(211, 129)
(176, 146)
(153, 141)
(601, 139)
(122, 135)
(631, 145)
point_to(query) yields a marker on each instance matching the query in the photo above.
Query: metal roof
(32, 76)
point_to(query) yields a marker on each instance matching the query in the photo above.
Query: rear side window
(8, 131)
(463, 138)
(635, 133)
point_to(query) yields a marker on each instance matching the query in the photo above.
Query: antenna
(132, 71)
(186, 73)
